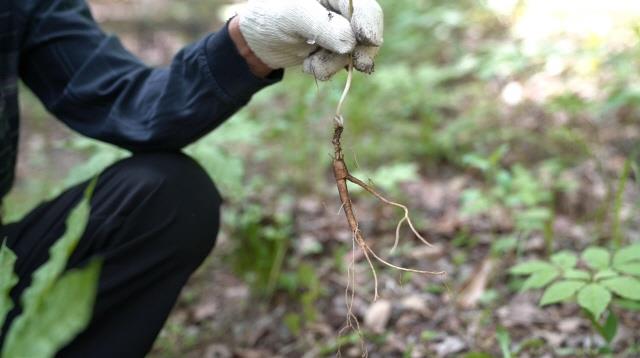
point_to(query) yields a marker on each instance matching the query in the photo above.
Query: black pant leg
(154, 218)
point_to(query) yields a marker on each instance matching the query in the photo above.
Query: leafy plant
(259, 252)
(592, 279)
(305, 285)
(507, 348)
(517, 190)
(58, 304)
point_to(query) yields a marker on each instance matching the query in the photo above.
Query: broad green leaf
(594, 298)
(576, 275)
(529, 267)
(627, 254)
(604, 274)
(626, 287)
(610, 328)
(8, 279)
(629, 268)
(64, 312)
(565, 259)
(46, 275)
(596, 257)
(560, 291)
(540, 279)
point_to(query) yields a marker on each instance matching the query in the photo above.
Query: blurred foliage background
(510, 127)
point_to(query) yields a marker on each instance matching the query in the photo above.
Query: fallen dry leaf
(415, 303)
(205, 311)
(449, 345)
(378, 315)
(475, 287)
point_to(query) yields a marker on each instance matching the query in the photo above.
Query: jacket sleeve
(93, 84)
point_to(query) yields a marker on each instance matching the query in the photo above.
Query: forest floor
(416, 316)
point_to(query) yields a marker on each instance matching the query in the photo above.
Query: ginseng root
(342, 176)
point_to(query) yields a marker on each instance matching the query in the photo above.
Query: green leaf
(475, 201)
(565, 259)
(428, 335)
(64, 312)
(596, 257)
(594, 298)
(531, 219)
(610, 328)
(293, 322)
(540, 279)
(478, 355)
(627, 254)
(560, 291)
(504, 340)
(630, 269)
(47, 277)
(576, 275)
(8, 279)
(626, 287)
(628, 304)
(604, 274)
(504, 245)
(529, 267)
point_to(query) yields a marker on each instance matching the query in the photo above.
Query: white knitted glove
(315, 33)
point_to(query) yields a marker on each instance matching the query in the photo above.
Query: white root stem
(345, 92)
(395, 243)
(438, 273)
(352, 321)
(373, 270)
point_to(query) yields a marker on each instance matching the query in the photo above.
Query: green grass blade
(616, 233)
(504, 340)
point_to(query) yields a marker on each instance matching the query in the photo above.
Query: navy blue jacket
(90, 82)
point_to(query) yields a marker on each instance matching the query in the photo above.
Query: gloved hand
(315, 33)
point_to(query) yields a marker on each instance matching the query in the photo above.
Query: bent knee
(176, 193)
